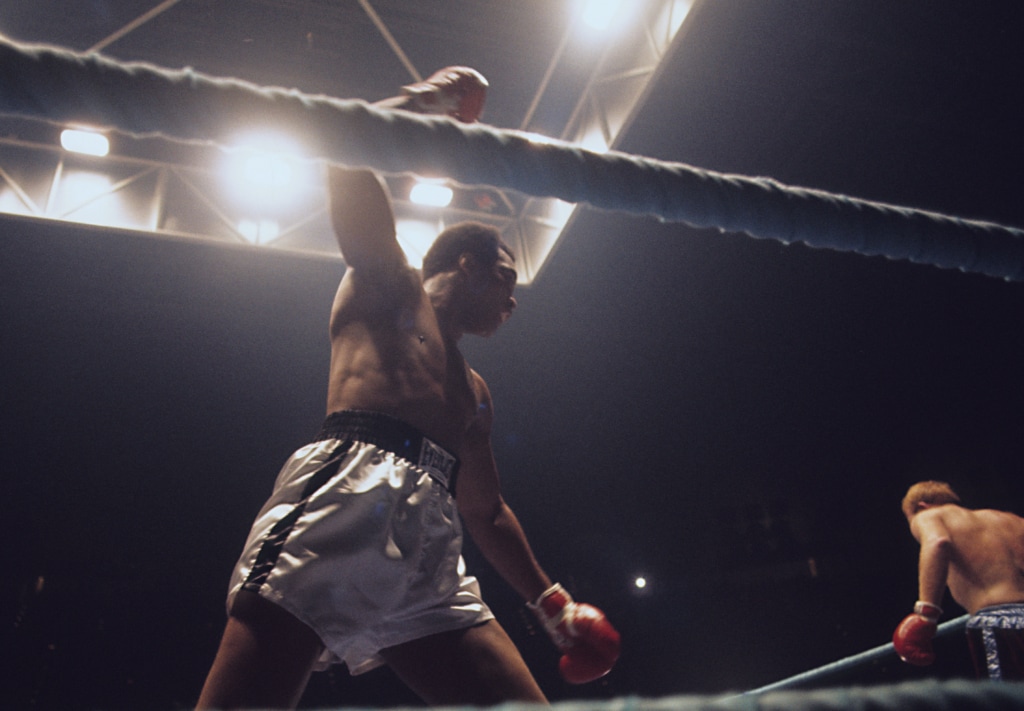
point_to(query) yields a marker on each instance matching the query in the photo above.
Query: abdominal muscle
(398, 375)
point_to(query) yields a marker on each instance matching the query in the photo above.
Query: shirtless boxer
(979, 556)
(356, 557)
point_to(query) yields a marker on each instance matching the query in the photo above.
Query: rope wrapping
(54, 84)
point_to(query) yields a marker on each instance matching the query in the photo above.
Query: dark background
(733, 418)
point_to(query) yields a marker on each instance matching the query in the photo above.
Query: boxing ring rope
(56, 85)
(855, 661)
(52, 84)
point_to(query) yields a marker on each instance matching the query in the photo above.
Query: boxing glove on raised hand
(587, 640)
(913, 637)
(458, 92)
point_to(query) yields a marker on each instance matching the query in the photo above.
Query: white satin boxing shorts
(361, 541)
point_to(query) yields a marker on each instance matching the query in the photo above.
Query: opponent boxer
(979, 556)
(356, 557)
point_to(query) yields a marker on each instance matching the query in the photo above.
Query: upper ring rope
(54, 84)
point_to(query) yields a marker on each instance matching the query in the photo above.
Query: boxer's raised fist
(458, 92)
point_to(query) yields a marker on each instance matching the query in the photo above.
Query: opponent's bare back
(986, 562)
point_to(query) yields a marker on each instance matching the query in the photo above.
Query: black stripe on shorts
(270, 551)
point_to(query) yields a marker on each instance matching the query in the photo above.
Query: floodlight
(431, 194)
(86, 142)
(265, 170)
(598, 14)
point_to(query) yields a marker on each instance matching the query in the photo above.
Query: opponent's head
(483, 274)
(934, 493)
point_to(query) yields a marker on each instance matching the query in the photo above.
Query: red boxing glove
(458, 92)
(913, 637)
(587, 640)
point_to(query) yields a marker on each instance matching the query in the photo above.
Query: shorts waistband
(1008, 615)
(396, 436)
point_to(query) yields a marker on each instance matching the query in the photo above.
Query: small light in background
(641, 587)
(86, 142)
(431, 194)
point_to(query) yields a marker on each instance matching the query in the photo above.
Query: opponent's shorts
(361, 541)
(995, 636)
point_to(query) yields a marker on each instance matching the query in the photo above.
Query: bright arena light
(431, 194)
(640, 582)
(267, 170)
(88, 143)
(264, 170)
(599, 14)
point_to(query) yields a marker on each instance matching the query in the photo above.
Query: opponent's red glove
(458, 92)
(913, 637)
(587, 640)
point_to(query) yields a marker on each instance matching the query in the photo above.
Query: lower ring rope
(53, 84)
(855, 661)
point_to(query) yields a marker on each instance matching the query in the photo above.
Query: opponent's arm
(933, 561)
(913, 637)
(587, 640)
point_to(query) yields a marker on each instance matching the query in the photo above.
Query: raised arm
(360, 206)
(362, 218)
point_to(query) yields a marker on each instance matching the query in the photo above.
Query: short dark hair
(482, 241)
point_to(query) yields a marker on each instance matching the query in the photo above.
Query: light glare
(431, 194)
(594, 140)
(415, 238)
(598, 14)
(264, 171)
(558, 213)
(86, 142)
(259, 231)
(267, 170)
